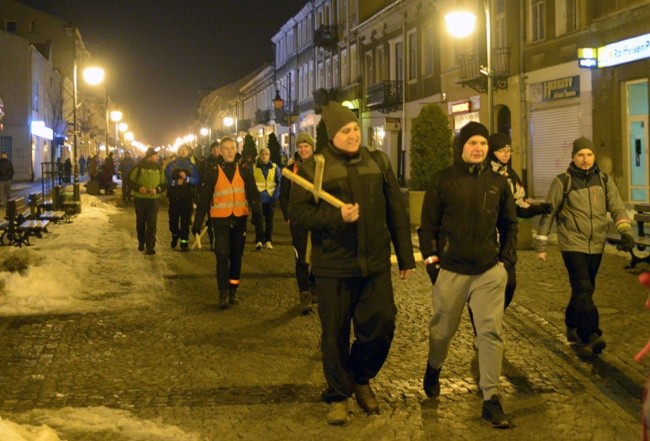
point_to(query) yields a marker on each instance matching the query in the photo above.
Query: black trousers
(146, 216)
(264, 230)
(511, 285)
(581, 312)
(180, 217)
(367, 302)
(299, 241)
(229, 242)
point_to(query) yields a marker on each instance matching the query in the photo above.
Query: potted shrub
(431, 139)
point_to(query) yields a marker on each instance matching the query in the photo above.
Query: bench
(638, 253)
(39, 210)
(19, 224)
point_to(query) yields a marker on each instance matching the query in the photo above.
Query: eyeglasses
(505, 150)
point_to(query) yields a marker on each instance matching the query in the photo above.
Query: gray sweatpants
(484, 293)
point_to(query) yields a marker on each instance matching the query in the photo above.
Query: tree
(275, 149)
(321, 136)
(250, 148)
(430, 145)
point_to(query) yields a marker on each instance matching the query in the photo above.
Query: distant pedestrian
(6, 175)
(82, 166)
(299, 235)
(209, 166)
(351, 259)
(581, 199)
(182, 178)
(468, 235)
(93, 167)
(268, 178)
(227, 194)
(126, 165)
(59, 171)
(67, 171)
(147, 180)
(106, 172)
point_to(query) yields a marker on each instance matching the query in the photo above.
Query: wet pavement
(164, 353)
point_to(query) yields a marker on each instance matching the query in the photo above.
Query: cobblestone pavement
(253, 372)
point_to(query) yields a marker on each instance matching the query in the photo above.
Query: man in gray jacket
(581, 199)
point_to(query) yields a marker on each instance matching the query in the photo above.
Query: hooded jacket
(361, 248)
(581, 214)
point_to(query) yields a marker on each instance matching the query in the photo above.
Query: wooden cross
(315, 187)
(197, 239)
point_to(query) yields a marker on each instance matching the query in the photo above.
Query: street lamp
(116, 117)
(461, 24)
(278, 104)
(228, 121)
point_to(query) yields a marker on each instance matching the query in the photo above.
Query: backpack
(567, 181)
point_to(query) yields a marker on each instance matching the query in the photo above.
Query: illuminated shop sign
(456, 107)
(39, 129)
(588, 57)
(625, 51)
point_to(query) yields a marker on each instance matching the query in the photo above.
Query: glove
(541, 208)
(433, 270)
(626, 243)
(256, 219)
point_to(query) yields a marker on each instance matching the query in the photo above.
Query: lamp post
(461, 24)
(278, 104)
(116, 117)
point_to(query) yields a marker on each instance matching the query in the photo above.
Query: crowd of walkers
(344, 228)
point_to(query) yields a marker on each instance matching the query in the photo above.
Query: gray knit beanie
(306, 138)
(336, 116)
(581, 143)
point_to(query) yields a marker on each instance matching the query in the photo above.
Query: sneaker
(223, 300)
(493, 413)
(150, 251)
(185, 246)
(258, 246)
(596, 343)
(269, 245)
(366, 398)
(174, 241)
(232, 298)
(140, 247)
(431, 383)
(337, 414)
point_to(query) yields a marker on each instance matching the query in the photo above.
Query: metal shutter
(552, 134)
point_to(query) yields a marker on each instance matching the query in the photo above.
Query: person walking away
(351, 259)
(147, 179)
(6, 175)
(268, 178)
(500, 156)
(299, 235)
(209, 166)
(126, 165)
(93, 167)
(468, 235)
(227, 194)
(182, 178)
(82, 165)
(67, 171)
(581, 198)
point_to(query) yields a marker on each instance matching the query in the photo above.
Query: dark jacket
(172, 173)
(361, 248)
(6, 170)
(206, 189)
(286, 184)
(464, 208)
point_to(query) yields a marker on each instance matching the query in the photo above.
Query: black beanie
(470, 129)
(497, 141)
(336, 116)
(581, 143)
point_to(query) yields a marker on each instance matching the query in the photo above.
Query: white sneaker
(269, 245)
(258, 246)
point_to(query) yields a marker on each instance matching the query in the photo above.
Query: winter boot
(232, 295)
(174, 241)
(305, 303)
(185, 246)
(223, 300)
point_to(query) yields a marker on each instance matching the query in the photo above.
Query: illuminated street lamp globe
(228, 121)
(204, 131)
(93, 75)
(116, 116)
(460, 24)
(122, 127)
(129, 136)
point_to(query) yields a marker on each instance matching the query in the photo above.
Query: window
(10, 26)
(345, 72)
(336, 67)
(412, 48)
(320, 79)
(399, 62)
(537, 20)
(35, 96)
(354, 71)
(379, 64)
(427, 50)
(328, 74)
(369, 67)
(566, 16)
(499, 37)
(343, 16)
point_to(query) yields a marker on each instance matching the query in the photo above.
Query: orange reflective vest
(229, 198)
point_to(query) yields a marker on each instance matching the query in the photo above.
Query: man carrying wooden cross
(351, 258)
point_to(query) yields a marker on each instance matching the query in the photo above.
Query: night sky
(158, 54)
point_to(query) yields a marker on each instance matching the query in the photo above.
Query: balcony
(326, 37)
(471, 66)
(385, 96)
(244, 124)
(323, 96)
(262, 116)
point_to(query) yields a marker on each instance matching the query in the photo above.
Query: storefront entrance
(637, 140)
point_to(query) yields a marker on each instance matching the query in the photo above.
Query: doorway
(637, 140)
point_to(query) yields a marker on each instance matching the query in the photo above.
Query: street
(149, 356)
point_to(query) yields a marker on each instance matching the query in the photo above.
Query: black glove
(541, 208)
(433, 269)
(626, 243)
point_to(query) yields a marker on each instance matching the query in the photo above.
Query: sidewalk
(145, 354)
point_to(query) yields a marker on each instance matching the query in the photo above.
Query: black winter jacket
(6, 170)
(464, 208)
(361, 248)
